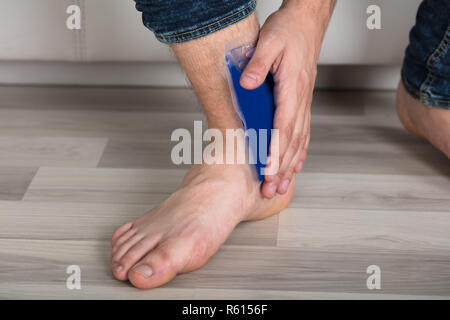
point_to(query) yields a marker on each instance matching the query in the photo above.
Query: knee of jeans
(177, 21)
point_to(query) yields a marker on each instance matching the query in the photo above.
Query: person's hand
(288, 46)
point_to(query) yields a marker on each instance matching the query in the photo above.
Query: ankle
(234, 178)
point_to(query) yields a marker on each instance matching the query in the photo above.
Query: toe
(116, 266)
(122, 239)
(136, 252)
(120, 231)
(158, 267)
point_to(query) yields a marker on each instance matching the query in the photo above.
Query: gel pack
(256, 107)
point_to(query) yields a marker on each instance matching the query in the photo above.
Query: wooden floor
(77, 162)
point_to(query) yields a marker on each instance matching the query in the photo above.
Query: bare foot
(432, 124)
(184, 231)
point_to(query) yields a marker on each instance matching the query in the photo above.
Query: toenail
(284, 185)
(143, 269)
(117, 267)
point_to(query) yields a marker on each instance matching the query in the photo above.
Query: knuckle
(296, 143)
(306, 78)
(259, 66)
(116, 256)
(284, 168)
(281, 172)
(128, 258)
(289, 172)
(268, 35)
(304, 140)
(141, 244)
(289, 130)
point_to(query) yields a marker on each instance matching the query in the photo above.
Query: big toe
(158, 267)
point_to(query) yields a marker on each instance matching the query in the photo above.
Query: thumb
(259, 65)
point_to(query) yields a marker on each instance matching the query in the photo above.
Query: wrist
(316, 13)
(311, 17)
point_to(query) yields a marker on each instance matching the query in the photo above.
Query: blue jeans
(175, 21)
(426, 67)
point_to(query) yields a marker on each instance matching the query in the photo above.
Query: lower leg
(183, 232)
(203, 60)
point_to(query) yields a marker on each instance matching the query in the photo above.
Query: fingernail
(250, 78)
(284, 185)
(143, 269)
(117, 267)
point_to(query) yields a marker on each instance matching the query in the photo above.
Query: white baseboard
(171, 75)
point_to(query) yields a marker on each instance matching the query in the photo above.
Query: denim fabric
(175, 21)
(426, 67)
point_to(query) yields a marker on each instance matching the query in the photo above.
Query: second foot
(432, 124)
(184, 231)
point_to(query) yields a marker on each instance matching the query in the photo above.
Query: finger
(296, 147)
(273, 163)
(298, 165)
(308, 138)
(291, 157)
(295, 140)
(304, 153)
(297, 162)
(266, 52)
(284, 124)
(285, 117)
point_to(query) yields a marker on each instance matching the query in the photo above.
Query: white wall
(112, 31)
(34, 31)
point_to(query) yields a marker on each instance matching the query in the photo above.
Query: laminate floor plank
(88, 221)
(14, 181)
(340, 229)
(51, 151)
(372, 191)
(238, 268)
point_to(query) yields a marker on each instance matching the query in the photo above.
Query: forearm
(311, 16)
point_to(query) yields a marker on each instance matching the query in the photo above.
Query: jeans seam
(413, 91)
(438, 100)
(212, 30)
(167, 38)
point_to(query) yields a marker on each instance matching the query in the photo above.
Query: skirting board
(171, 75)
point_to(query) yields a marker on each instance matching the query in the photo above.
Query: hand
(288, 47)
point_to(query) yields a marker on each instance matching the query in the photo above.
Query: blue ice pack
(256, 107)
